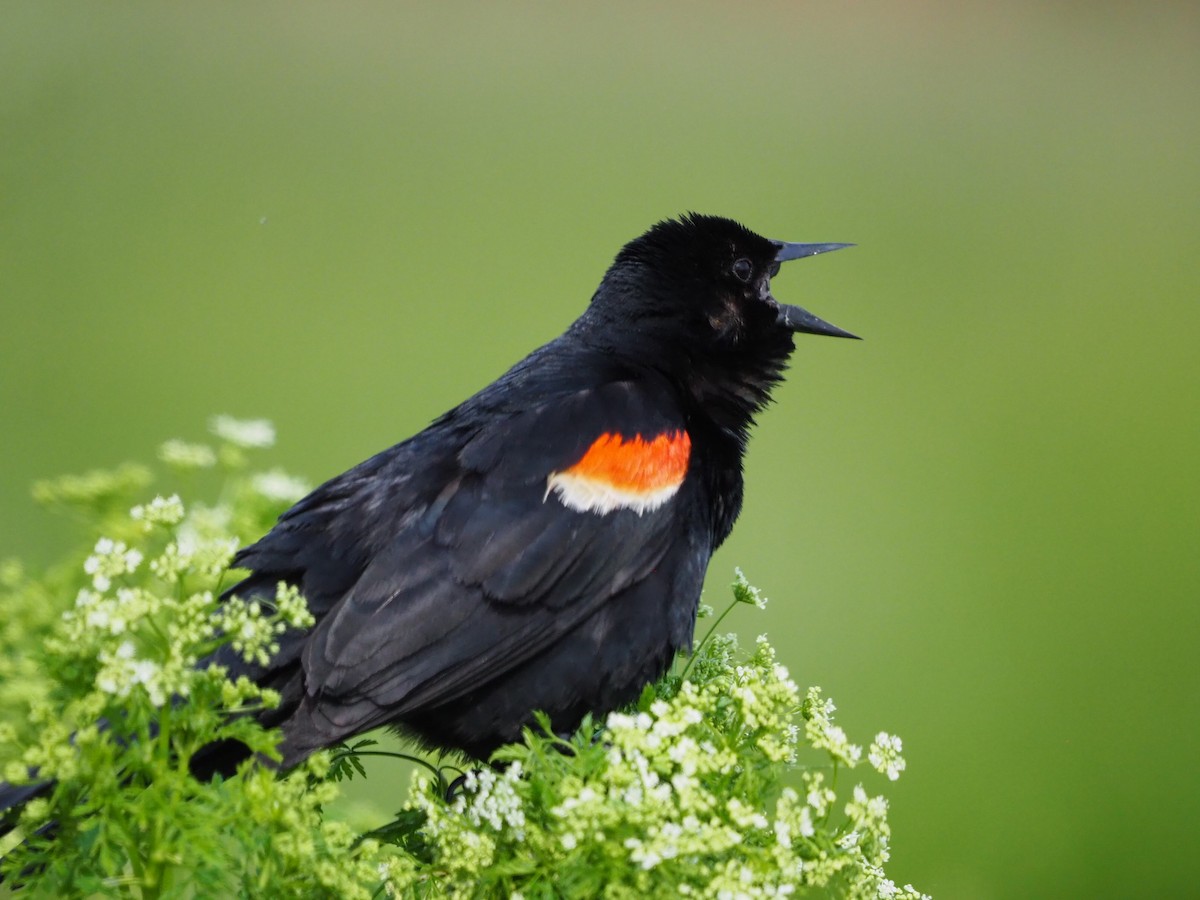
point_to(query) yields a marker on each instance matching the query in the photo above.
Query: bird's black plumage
(457, 590)
(542, 545)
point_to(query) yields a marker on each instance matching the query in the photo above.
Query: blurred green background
(979, 527)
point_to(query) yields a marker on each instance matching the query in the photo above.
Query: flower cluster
(823, 734)
(121, 671)
(884, 755)
(142, 637)
(166, 511)
(110, 559)
(279, 485)
(682, 796)
(105, 703)
(720, 782)
(185, 456)
(254, 633)
(252, 433)
(745, 592)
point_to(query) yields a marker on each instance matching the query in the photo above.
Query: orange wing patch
(616, 473)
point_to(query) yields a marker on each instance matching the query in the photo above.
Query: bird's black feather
(458, 588)
(455, 593)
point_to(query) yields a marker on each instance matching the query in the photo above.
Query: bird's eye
(743, 269)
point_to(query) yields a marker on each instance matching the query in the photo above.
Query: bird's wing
(543, 515)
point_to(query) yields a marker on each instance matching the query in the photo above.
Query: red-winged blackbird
(542, 545)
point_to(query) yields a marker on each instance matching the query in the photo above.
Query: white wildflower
(494, 800)
(806, 823)
(185, 456)
(280, 486)
(121, 671)
(745, 592)
(819, 797)
(884, 755)
(823, 734)
(159, 511)
(109, 559)
(173, 562)
(783, 834)
(253, 633)
(211, 557)
(834, 740)
(243, 432)
(291, 607)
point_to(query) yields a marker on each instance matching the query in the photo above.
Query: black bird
(542, 545)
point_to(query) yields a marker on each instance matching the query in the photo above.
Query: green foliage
(105, 698)
(685, 794)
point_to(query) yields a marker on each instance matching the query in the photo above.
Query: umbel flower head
(249, 433)
(110, 559)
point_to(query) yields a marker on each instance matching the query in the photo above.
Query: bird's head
(704, 282)
(692, 299)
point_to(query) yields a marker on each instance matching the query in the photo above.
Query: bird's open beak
(795, 318)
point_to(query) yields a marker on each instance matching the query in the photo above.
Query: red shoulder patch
(620, 473)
